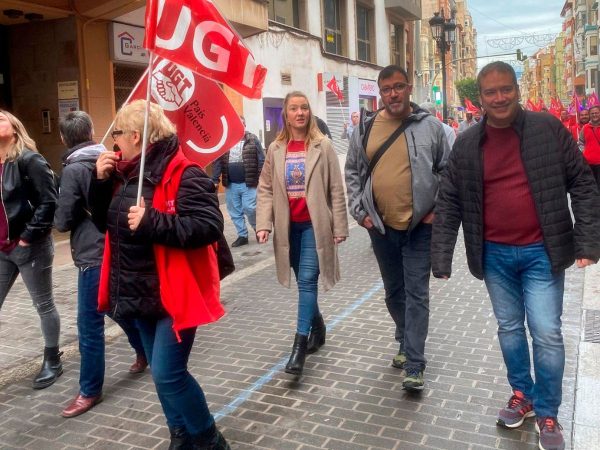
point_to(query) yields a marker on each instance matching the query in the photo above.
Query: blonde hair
(313, 133)
(131, 118)
(22, 138)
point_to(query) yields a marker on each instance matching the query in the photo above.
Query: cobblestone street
(348, 398)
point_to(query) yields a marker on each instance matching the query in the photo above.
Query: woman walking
(28, 201)
(301, 199)
(160, 265)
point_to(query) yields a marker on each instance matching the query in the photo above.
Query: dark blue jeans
(404, 260)
(522, 286)
(90, 327)
(305, 262)
(180, 395)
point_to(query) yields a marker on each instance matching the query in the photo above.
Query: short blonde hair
(22, 138)
(312, 131)
(131, 118)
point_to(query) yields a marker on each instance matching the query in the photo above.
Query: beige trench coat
(325, 200)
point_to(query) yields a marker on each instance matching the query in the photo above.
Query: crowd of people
(411, 182)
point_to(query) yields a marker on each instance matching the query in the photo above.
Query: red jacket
(189, 278)
(591, 139)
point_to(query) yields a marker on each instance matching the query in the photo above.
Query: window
(289, 12)
(333, 27)
(397, 44)
(363, 32)
(593, 45)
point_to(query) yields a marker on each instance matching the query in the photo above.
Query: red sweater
(509, 214)
(591, 136)
(189, 278)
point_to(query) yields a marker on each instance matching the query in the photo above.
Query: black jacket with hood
(73, 208)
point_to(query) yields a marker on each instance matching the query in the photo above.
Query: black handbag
(224, 258)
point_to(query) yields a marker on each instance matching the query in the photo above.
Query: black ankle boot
(296, 363)
(211, 439)
(180, 439)
(51, 368)
(316, 338)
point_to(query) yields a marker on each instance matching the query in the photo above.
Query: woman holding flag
(301, 198)
(159, 264)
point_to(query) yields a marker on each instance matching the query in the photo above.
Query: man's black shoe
(240, 241)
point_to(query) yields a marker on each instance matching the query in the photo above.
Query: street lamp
(444, 34)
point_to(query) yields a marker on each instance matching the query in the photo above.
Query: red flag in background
(471, 108)
(207, 124)
(194, 34)
(335, 88)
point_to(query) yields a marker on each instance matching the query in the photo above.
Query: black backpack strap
(389, 141)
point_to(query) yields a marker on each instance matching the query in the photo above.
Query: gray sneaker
(516, 411)
(550, 432)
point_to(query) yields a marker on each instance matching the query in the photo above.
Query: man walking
(589, 142)
(507, 182)
(87, 244)
(467, 123)
(239, 170)
(349, 127)
(392, 167)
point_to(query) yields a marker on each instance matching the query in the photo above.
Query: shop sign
(126, 44)
(68, 90)
(368, 88)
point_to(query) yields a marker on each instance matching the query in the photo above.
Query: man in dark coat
(239, 170)
(507, 182)
(87, 244)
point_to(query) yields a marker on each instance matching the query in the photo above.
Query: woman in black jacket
(28, 200)
(159, 264)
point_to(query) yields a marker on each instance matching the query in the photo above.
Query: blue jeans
(180, 395)
(241, 200)
(305, 262)
(404, 261)
(90, 328)
(521, 285)
(34, 263)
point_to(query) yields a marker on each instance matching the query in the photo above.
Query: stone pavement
(349, 397)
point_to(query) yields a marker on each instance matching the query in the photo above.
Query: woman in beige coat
(301, 196)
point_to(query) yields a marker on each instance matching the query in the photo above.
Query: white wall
(382, 34)
(301, 57)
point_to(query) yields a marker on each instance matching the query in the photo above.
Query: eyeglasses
(116, 133)
(398, 89)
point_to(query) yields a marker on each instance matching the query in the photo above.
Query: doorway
(272, 115)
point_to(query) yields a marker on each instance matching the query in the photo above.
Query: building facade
(88, 55)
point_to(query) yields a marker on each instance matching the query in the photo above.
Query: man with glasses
(394, 160)
(508, 182)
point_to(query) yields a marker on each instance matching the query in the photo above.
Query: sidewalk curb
(586, 420)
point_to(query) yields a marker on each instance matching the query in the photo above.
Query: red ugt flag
(335, 88)
(207, 124)
(194, 34)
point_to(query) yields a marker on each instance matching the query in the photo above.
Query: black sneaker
(240, 241)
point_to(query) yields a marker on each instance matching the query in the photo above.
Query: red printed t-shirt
(509, 214)
(295, 171)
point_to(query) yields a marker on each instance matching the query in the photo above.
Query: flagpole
(145, 134)
(124, 103)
